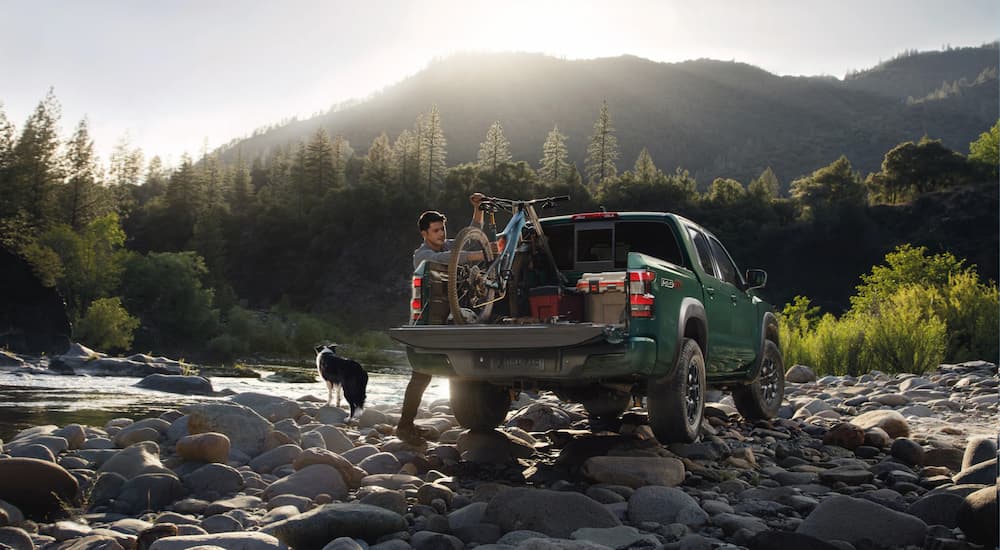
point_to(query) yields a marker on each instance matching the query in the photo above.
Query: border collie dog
(344, 374)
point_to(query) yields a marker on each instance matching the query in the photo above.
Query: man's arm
(477, 214)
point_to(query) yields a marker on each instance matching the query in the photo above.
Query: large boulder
(316, 455)
(271, 407)
(204, 447)
(540, 417)
(800, 374)
(665, 505)
(979, 449)
(554, 513)
(217, 479)
(185, 385)
(316, 528)
(310, 482)
(250, 540)
(141, 458)
(148, 492)
(891, 421)
(634, 471)
(978, 517)
(983, 473)
(852, 519)
(246, 430)
(275, 458)
(37, 487)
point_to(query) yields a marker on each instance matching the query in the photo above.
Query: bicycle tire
(464, 292)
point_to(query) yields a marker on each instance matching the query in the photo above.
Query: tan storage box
(604, 296)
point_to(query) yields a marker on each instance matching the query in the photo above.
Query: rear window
(603, 246)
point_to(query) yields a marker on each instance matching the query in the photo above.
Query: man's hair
(429, 217)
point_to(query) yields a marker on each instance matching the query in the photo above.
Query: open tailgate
(498, 337)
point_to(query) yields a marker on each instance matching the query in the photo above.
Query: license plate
(517, 363)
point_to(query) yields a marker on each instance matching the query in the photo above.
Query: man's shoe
(412, 434)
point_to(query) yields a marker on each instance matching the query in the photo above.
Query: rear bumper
(559, 353)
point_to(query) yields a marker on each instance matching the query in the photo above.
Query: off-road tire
(470, 239)
(676, 403)
(761, 399)
(478, 405)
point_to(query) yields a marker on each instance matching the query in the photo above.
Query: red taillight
(595, 216)
(640, 298)
(501, 244)
(416, 299)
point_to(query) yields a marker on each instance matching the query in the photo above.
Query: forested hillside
(713, 118)
(301, 234)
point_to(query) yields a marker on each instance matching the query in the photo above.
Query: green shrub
(971, 311)
(907, 335)
(836, 346)
(106, 325)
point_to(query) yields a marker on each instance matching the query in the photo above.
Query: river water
(34, 399)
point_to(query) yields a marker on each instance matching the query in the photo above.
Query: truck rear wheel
(478, 405)
(676, 403)
(761, 399)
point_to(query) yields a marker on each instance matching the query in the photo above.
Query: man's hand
(476, 198)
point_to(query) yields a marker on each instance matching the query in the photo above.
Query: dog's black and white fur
(344, 374)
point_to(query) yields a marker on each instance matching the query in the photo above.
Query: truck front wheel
(761, 399)
(478, 405)
(676, 403)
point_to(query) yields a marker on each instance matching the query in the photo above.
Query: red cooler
(553, 301)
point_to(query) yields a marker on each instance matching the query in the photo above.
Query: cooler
(553, 301)
(605, 296)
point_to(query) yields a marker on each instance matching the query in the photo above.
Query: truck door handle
(710, 291)
(733, 298)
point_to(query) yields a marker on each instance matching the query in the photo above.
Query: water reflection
(30, 400)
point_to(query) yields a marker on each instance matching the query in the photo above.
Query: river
(35, 399)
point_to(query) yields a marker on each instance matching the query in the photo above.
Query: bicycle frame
(498, 271)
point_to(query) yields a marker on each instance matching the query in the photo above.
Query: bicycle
(474, 286)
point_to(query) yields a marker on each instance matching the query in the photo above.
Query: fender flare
(768, 326)
(691, 309)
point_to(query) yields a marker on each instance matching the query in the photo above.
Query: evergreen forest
(256, 249)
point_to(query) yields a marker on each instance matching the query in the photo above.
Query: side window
(730, 273)
(703, 249)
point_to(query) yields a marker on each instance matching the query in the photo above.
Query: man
(435, 248)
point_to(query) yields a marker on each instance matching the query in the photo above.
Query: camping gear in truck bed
(555, 301)
(605, 296)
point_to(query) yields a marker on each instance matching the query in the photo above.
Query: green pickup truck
(622, 304)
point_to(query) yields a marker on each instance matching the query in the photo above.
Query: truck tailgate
(498, 337)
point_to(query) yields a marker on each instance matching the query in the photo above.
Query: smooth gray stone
(314, 529)
(554, 513)
(866, 520)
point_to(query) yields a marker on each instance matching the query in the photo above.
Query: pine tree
(36, 163)
(124, 173)
(404, 161)
(82, 198)
(241, 192)
(342, 153)
(7, 144)
(433, 148)
(213, 182)
(645, 170)
(766, 186)
(603, 149)
(377, 171)
(320, 173)
(495, 150)
(554, 166)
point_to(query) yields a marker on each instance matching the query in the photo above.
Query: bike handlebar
(546, 202)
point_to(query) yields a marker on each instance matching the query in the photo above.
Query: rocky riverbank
(872, 462)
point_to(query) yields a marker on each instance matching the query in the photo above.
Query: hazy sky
(175, 74)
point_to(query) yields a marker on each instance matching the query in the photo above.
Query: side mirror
(756, 278)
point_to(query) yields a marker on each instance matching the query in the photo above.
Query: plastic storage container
(553, 301)
(605, 296)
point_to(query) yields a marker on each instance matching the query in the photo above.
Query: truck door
(722, 358)
(744, 312)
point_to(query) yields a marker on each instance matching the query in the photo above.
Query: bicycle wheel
(469, 296)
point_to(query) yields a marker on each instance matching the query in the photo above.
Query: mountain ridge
(714, 118)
